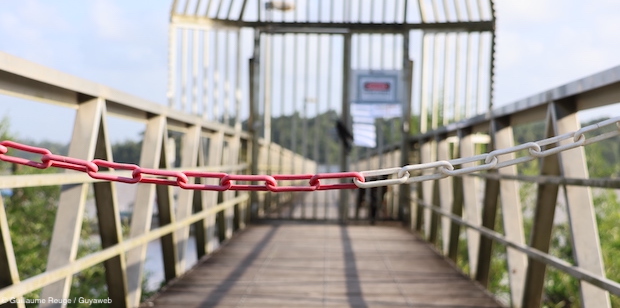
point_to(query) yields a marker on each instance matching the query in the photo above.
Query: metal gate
(282, 70)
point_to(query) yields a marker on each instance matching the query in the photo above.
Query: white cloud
(110, 20)
(543, 44)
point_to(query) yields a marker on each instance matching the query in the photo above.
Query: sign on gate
(375, 94)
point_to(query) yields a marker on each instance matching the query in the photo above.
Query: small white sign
(376, 87)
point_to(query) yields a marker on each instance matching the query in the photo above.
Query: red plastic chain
(337, 175)
(198, 174)
(175, 178)
(4, 148)
(294, 177)
(115, 166)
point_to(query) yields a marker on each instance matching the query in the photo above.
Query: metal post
(404, 194)
(253, 120)
(345, 117)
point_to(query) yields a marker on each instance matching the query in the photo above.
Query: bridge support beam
(152, 156)
(189, 159)
(88, 140)
(542, 227)
(8, 266)
(470, 201)
(446, 199)
(581, 214)
(501, 130)
(216, 149)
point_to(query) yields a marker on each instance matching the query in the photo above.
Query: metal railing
(205, 146)
(449, 199)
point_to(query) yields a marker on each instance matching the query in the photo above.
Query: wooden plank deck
(323, 265)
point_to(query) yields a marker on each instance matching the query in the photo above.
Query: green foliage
(127, 152)
(608, 215)
(320, 130)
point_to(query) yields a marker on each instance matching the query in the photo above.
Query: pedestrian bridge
(248, 180)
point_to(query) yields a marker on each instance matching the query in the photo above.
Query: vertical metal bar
(445, 198)
(283, 79)
(472, 207)
(491, 70)
(189, 159)
(199, 205)
(186, 8)
(542, 225)
(468, 67)
(489, 213)
(330, 54)
(268, 103)
(345, 117)
(422, 11)
(173, 7)
(165, 214)
(216, 153)
(260, 11)
(581, 214)
(435, 11)
(230, 5)
(457, 78)
(9, 274)
(457, 210)
(468, 10)
(69, 216)
(227, 65)
(304, 123)
(172, 64)
(184, 55)
(446, 11)
(446, 72)
(231, 158)
(480, 11)
(108, 216)
(457, 8)
(315, 150)
(424, 84)
(407, 66)
(208, 8)
(238, 80)
(205, 74)
(511, 210)
(219, 9)
(216, 76)
(198, 5)
(242, 11)
(434, 217)
(435, 80)
(294, 100)
(195, 72)
(143, 206)
(427, 186)
(253, 120)
(480, 74)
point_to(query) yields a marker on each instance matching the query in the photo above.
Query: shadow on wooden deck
(293, 264)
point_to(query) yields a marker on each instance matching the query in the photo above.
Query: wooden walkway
(323, 265)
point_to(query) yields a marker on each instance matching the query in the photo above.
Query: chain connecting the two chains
(427, 171)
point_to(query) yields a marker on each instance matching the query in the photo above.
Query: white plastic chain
(445, 168)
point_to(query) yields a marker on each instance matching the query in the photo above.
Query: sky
(541, 44)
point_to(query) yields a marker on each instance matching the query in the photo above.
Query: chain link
(441, 169)
(399, 175)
